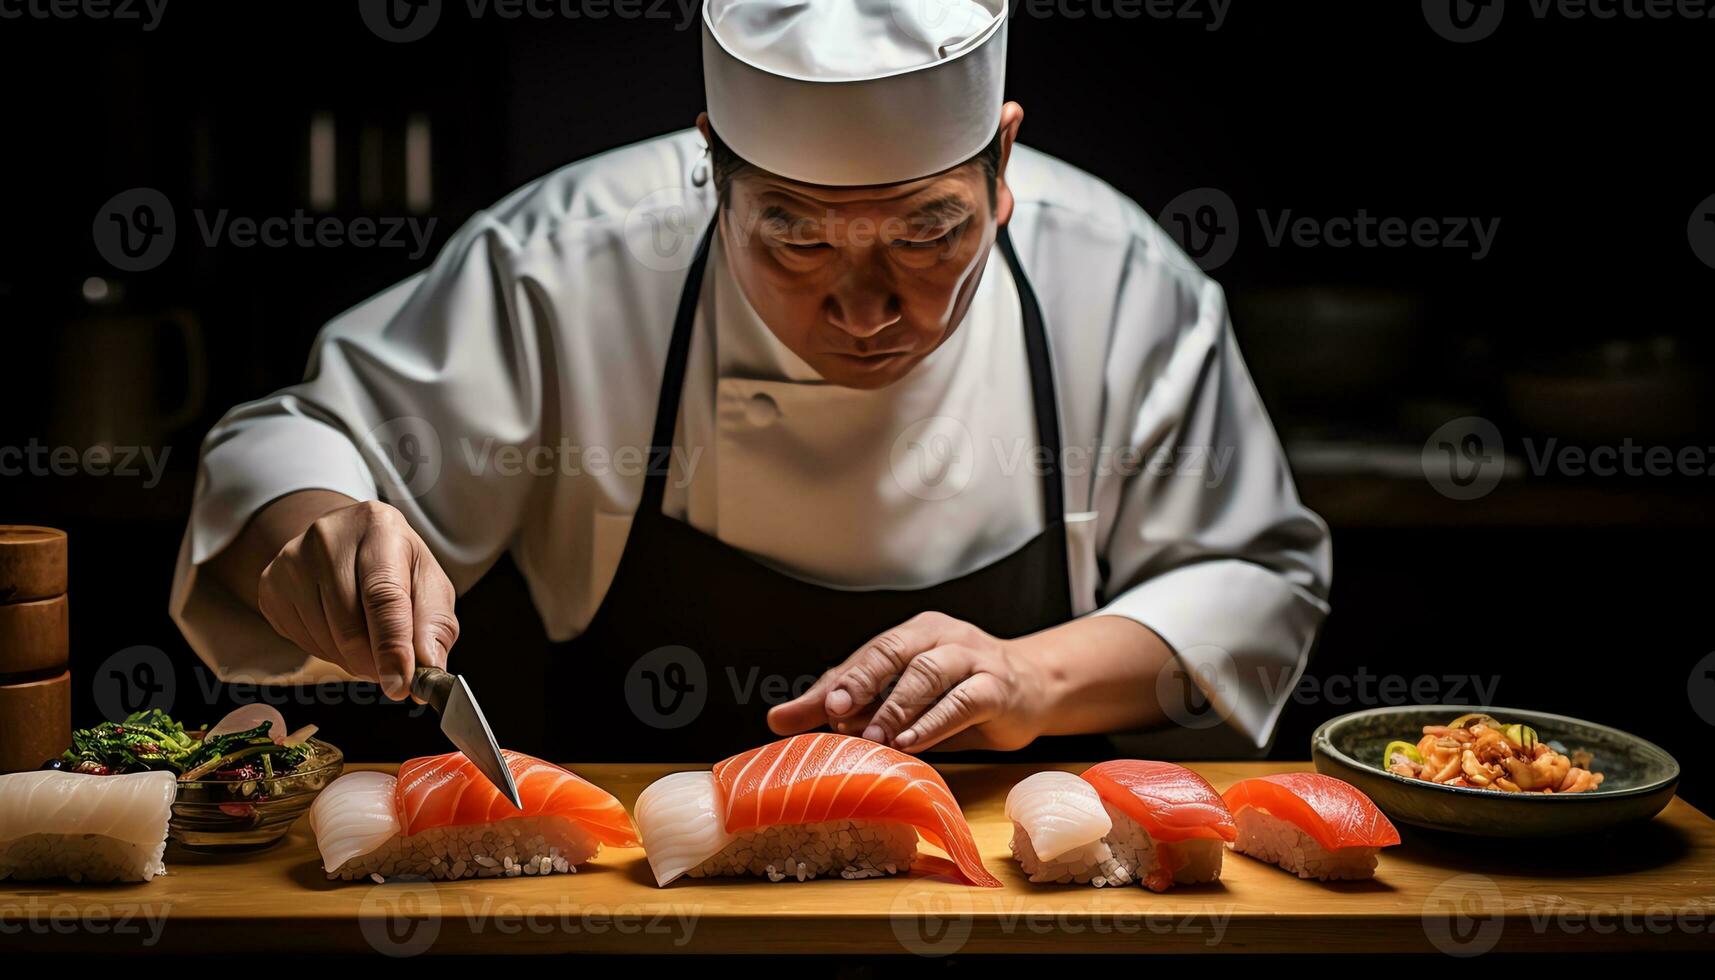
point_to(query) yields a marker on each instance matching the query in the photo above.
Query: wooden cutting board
(1652, 888)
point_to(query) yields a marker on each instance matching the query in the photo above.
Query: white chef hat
(854, 92)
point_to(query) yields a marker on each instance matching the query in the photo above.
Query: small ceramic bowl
(221, 814)
(1638, 777)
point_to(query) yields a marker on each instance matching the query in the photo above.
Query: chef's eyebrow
(946, 209)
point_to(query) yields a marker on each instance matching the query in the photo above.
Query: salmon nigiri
(1312, 825)
(441, 818)
(1121, 822)
(801, 807)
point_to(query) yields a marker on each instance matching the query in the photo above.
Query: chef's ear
(703, 127)
(1011, 117)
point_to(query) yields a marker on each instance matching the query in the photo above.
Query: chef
(842, 409)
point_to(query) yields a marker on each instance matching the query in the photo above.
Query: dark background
(1587, 323)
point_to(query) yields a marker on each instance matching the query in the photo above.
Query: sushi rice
(525, 846)
(1266, 837)
(851, 849)
(1126, 855)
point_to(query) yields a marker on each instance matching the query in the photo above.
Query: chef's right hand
(360, 589)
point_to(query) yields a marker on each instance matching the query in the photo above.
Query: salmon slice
(823, 776)
(1171, 802)
(449, 791)
(1335, 814)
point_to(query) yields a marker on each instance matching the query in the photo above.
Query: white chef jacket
(523, 367)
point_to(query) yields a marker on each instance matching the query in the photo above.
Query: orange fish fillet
(1171, 802)
(824, 776)
(449, 791)
(1335, 814)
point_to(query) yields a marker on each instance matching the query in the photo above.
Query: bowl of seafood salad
(1494, 771)
(241, 781)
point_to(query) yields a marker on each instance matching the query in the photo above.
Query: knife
(462, 723)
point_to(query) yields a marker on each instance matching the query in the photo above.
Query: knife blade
(463, 724)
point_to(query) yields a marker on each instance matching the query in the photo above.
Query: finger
(803, 712)
(864, 676)
(330, 571)
(277, 600)
(927, 677)
(853, 724)
(344, 624)
(384, 587)
(810, 709)
(434, 627)
(972, 702)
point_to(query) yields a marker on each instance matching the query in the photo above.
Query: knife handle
(433, 685)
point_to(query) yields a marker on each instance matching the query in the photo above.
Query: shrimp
(1545, 772)
(1474, 769)
(1487, 741)
(1579, 781)
(1490, 755)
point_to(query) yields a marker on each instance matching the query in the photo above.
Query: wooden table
(1651, 889)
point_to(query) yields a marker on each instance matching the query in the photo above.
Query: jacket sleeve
(405, 398)
(1210, 546)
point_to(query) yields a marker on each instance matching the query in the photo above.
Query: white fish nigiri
(354, 816)
(1059, 812)
(84, 827)
(682, 823)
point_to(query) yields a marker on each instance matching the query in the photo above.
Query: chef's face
(863, 283)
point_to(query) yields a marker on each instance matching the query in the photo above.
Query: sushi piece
(1119, 823)
(1312, 825)
(87, 828)
(441, 818)
(804, 807)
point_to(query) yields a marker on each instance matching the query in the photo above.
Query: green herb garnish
(150, 740)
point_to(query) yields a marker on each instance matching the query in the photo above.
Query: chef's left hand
(951, 683)
(939, 682)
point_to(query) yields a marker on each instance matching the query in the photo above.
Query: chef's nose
(864, 309)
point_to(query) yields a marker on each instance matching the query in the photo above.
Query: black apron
(696, 640)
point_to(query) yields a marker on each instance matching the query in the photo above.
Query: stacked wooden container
(35, 644)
